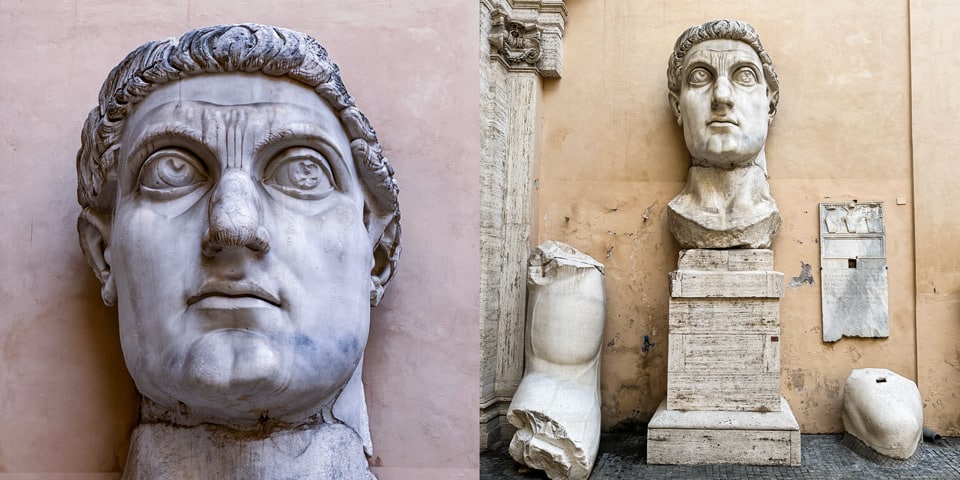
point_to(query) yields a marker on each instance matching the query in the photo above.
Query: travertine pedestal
(723, 379)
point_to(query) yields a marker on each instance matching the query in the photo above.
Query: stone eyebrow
(307, 131)
(154, 134)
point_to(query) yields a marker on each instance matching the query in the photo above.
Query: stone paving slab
(623, 456)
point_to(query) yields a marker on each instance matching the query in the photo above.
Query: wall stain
(646, 344)
(646, 213)
(805, 277)
(795, 380)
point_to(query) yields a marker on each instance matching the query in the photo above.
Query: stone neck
(760, 160)
(165, 451)
(154, 413)
(720, 208)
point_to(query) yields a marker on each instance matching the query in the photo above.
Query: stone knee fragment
(884, 410)
(556, 408)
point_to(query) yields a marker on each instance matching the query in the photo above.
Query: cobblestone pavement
(623, 456)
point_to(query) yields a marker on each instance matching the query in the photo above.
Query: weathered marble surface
(329, 450)
(238, 211)
(884, 410)
(724, 93)
(556, 408)
(703, 215)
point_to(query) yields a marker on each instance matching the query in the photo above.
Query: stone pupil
(305, 174)
(175, 172)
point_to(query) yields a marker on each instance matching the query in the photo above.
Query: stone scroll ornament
(556, 408)
(724, 93)
(238, 211)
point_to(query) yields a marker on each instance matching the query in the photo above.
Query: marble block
(677, 437)
(884, 410)
(556, 407)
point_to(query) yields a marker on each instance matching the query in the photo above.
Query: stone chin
(726, 151)
(239, 378)
(725, 147)
(237, 363)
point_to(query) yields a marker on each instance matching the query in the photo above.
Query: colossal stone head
(724, 93)
(237, 209)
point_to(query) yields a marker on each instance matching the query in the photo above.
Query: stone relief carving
(724, 93)
(853, 270)
(556, 408)
(238, 210)
(525, 36)
(515, 41)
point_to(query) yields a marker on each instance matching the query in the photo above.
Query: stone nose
(234, 216)
(722, 92)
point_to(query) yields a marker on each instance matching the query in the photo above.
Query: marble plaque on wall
(853, 270)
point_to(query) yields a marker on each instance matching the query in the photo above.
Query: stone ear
(385, 253)
(675, 106)
(94, 230)
(774, 103)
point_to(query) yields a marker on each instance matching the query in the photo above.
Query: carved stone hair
(722, 30)
(249, 48)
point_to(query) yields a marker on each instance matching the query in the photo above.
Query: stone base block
(724, 392)
(677, 437)
(706, 284)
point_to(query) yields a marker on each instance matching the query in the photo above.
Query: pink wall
(66, 402)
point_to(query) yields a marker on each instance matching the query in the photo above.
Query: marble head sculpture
(237, 209)
(724, 93)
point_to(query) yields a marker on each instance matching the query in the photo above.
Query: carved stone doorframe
(520, 45)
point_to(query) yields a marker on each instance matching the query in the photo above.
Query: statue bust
(237, 209)
(724, 93)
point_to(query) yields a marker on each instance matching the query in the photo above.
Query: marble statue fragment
(556, 407)
(237, 209)
(723, 400)
(884, 410)
(724, 93)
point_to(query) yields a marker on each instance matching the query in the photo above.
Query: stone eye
(745, 76)
(171, 173)
(300, 172)
(699, 76)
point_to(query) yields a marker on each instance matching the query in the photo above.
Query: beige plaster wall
(66, 402)
(935, 35)
(613, 156)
